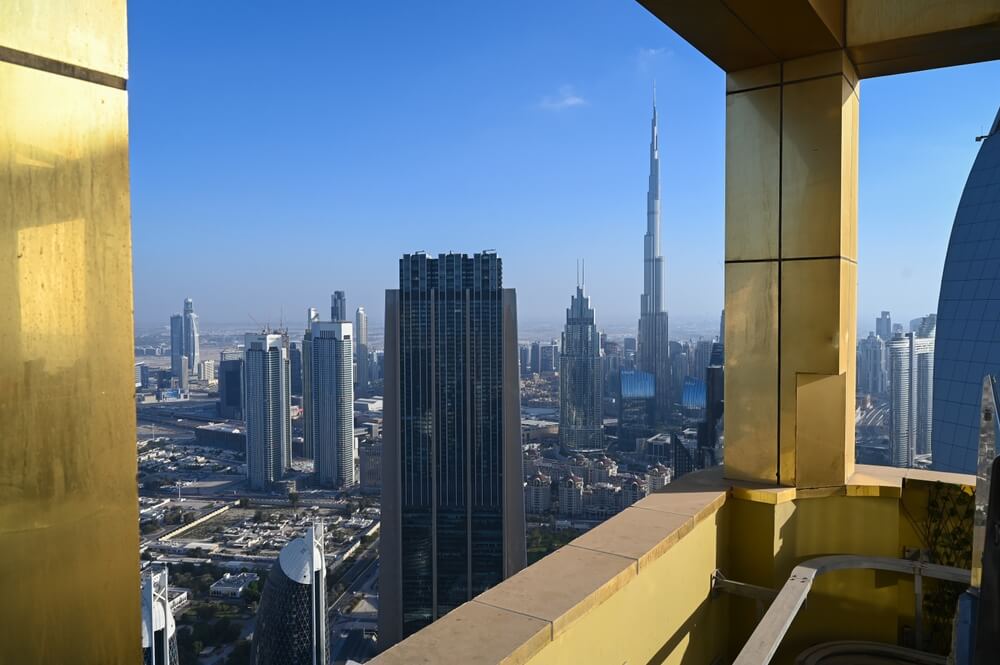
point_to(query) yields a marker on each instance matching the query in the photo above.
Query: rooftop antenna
(578, 273)
(583, 273)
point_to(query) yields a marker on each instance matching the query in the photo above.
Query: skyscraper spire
(652, 296)
(653, 341)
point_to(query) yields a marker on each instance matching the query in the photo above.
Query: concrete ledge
(517, 619)
(473, 633)
(620, 575)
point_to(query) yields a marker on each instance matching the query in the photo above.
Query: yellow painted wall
(663, 615)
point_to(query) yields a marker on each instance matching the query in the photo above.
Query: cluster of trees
(542, 541)
(192, 639)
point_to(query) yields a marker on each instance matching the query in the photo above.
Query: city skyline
(555, 155)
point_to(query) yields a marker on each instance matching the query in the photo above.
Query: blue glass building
(968, 324)
(636, 407)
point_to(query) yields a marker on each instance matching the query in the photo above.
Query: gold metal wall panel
(821, 64)
(757, 77)
(850, 113)
(811, 153)
(751, 371)
(712, 28)
(86, 33)
(68, 505)
(883, 36)
(753, 131)
(793, 28)
(873, 21)
(816, 300)
(820, 402)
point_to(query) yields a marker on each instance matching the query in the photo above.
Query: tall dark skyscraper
(967, 346)
(883, 326)
(338, 306)
(295, 362)
(176, 344)
(452, 499)
(653, 352)
(580, 413)
(231, 388)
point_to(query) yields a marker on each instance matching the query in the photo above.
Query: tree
(251, 594)
(258, 516)
(293, 499)
(240, 654)
(206, 611)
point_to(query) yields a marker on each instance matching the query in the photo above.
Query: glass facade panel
(967, 345)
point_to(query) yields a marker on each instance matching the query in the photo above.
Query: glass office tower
(967, 346)
(453, 506)
(581, 415)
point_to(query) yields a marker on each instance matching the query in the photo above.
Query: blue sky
(280, 151)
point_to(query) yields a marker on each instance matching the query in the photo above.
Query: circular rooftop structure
(296, 562)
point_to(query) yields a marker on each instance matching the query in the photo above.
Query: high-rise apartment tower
(329, 406)
(361, 358)
(192, 339)
(267, 408)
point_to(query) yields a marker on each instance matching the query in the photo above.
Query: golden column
(68, 508)
(791, 270)
(791, 204)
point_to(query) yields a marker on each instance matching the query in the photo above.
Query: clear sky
(280, 151)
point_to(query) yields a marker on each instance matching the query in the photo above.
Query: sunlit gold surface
(753, 130)
(751, 370)
(791, 210)
(757, 77)
(68, 507)
(820, 428)
(817, 219)
(88, 33)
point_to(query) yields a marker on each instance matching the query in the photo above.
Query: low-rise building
(370, 464)
(601, 500)
(538, 494)
(368, 404)
(232, 585)
(603, 470)
(571, 495)
(207, 371)
(632, 489)
(658, 476)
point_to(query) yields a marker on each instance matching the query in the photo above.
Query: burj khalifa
(653, 350)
